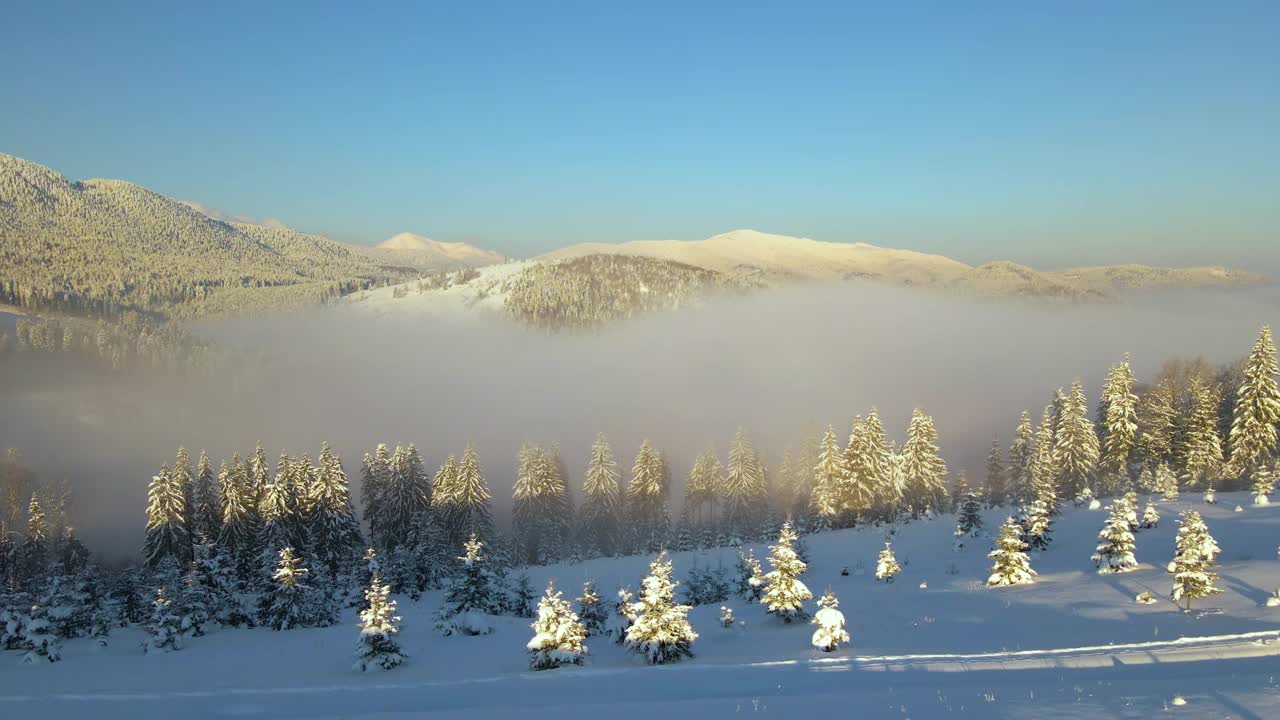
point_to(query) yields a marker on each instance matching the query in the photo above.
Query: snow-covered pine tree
(206, 512)
(750, 576)
(258, 475)
(827, 476)
(33, 557)
(1193, 560)
(1263, 484)
(407, 493)
(1021, 455)
(745, 493)
(1119, 427)
(1166, 482)
(785, 594)
(1075, 449)
(1200, 448)
(216, 572)
(622, 617)
(1115, 543)
(42, 645)
(558, 636)
(239, 533)
(1158, 423)
(1257, 410)
(887, 567)
(969, 514)
(377, 646)
(194, 604)
(534, 526)
(67, 602)
(471, 597)
(591, 609)
(1044, 473)
(600, 527)
(997, 477)
(646, 502)
(830, 621)
(1011, 565)
(1037, 525)
(335, 534)
(274, 533)
(660, 631)
(375, 481)
(864, 472)
(185, 481)
(1150, 516)
(164, 628)
(887, 483)
(288, 603)
(924, 472)
(167, 534)
(520, 600)
(1129, 509)
(469, 511)
(701, 490)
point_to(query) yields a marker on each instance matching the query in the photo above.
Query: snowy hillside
(1073, 645)
(485, 292)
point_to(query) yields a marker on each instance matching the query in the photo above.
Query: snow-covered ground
(484, 293)
(1073, 645)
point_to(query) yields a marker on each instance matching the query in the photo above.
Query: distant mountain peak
(460, 253)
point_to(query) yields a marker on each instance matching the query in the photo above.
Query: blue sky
(1046, 133)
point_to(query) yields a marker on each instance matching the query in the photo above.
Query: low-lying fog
(782, 364)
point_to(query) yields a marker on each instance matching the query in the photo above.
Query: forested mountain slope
(103, 247)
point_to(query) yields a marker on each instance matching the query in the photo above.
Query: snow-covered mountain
(780, 258)
(442, 253)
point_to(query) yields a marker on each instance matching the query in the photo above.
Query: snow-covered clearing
(458, 302)
(1073, 645)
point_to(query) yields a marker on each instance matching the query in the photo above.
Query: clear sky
(1041, 132)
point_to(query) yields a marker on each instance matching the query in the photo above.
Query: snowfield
(1073, 645)
(457, 302)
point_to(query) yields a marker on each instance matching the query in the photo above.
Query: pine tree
(827, 476)
(1200, 449)
(887, 567)
(830, 621)
(471, 597)
(1257, 411)
(969, 514)
(750, 576)
(206, 512)
(164, 628)
(660, 630)
(1119, 425)
(622, 617)
(35, 544)
(274, 534)
(520, 599)
(1115, 543)
(1075, 449)
(185, 481)
(1193, 560)
(601, 516)
(924, 472)
(377, 646)
(646, 502)
(1263, 484)
(540, 517)
(700, 492)
(591, 609)
(1044, 472)
(1037, 524)
(558, 636)
(167, 535)
(785, 594)
(1021, 456)
(1150, 516)
(997, 479)
(215, 570)
(863, 473)
(1011, 566)
(38, 639)
(289, 603)
(1166, 482)
(1158, 418)
(469, 512)
(375, 487)
(334, 530)
(239, 533)
(745, 491)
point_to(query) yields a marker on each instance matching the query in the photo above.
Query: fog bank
(782, 364)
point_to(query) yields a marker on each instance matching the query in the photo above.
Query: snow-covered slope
(444, 254)
(464, 296)
(1074, 645)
